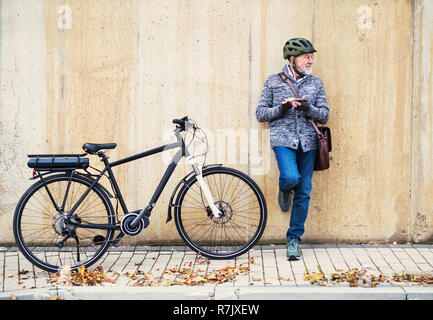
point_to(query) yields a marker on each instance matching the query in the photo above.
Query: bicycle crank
(125, 224)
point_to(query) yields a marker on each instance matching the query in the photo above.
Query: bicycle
(67, 216)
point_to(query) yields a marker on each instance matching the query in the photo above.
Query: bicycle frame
(182, 152)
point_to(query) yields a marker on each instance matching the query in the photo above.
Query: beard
(307, 71)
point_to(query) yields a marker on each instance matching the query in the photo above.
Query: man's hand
(292, 103)
(305, 106)
(286, 105)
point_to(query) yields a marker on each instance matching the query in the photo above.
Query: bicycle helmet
(295, 47)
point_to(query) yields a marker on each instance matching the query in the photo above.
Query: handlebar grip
(180, 122)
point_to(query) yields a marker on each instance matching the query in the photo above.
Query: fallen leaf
(193, 277)
(200, 260)
(422, 279)
(354, 277)
(80, 277)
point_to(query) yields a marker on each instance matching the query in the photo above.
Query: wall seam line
(412, 189)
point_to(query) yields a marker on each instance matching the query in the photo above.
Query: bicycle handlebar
(181, 122)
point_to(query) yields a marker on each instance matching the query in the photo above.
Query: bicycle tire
(237, 230)
(37, 225)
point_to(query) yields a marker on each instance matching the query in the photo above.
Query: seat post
(103, 157)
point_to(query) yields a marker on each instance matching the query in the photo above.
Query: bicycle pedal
(98, 239)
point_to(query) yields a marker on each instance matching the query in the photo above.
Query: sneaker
(284, 199)
(293, 250)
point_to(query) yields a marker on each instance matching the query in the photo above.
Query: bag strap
(287, 80)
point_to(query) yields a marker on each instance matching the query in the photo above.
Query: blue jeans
(296, 170)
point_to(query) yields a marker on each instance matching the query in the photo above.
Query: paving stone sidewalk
(269, 275)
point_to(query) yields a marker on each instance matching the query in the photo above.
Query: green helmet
(296, 47)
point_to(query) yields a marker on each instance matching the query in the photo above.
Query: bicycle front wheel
(50, 240)
(243, 209)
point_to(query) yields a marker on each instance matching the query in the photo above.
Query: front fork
(204, 187)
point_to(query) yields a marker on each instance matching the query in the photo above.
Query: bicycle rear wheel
(51, 241)
(243, 219)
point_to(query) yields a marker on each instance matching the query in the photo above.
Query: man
(293, 138)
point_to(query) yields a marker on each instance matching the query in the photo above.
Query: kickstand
(78, 246)
(61, 242)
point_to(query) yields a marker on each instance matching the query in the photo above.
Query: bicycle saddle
(92, 148)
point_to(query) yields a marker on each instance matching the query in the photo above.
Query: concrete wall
(76, 71)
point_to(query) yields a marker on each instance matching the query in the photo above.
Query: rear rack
(56, 155)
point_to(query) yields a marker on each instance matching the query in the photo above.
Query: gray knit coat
(292, 128)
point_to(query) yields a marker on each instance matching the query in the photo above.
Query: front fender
(183, 181)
